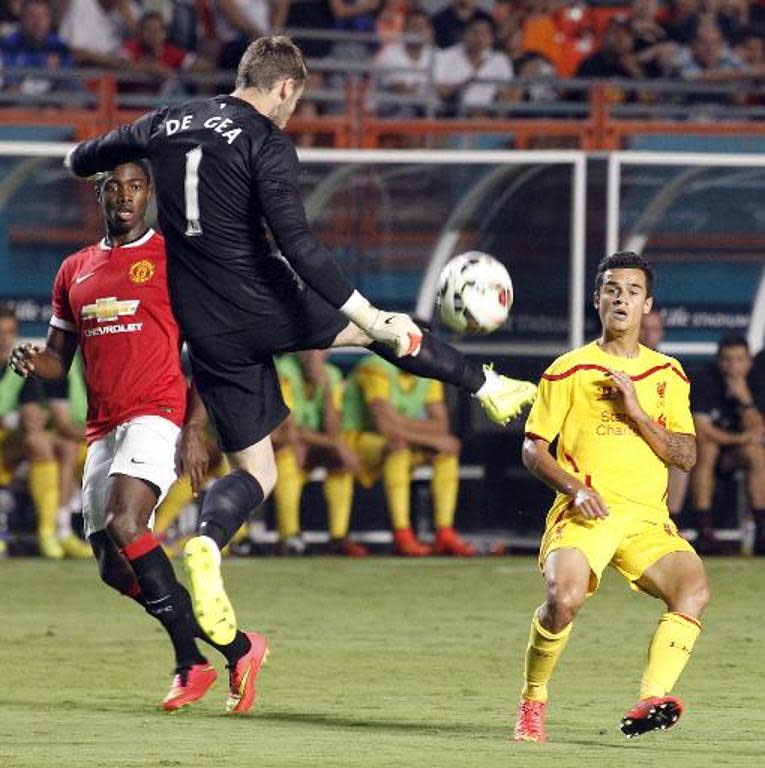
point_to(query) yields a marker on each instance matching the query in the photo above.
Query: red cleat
(530, 722)
(449, 542)
(347, 547)
(406, 545)
(189, 685)
(242, 675)
(654, 713)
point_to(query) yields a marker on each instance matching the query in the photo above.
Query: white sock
(491, 384)
(63, 522)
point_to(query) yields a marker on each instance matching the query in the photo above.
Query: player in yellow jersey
(621, 416)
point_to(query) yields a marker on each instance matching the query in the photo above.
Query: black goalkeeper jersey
(222, 171)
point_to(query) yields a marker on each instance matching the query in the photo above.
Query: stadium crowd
(452, 57)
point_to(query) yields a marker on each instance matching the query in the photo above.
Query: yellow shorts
(370, 447)
(625, 542)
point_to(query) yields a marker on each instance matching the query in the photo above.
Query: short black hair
(6, 310)
(142, 163)
(624, 260)
(731, 340)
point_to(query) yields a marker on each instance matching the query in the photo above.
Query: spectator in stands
(311, 437)
(652, 45)
(314, 15)
(750, 48)
(533, 65)
(736, 17)
(683, 20)
(651, 336)
(355, 15)
(708, 60)
(34, 46)
(239, 22)
(391, 20)
(396, 422)
(451, 23)
(151, 53)
(10, 10)
(95, 29)
(616, 55)
(406, 68)
(23, 437)
(729, 429)
(184, 19)
(460, 70)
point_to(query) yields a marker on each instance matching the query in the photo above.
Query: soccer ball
(475, 293)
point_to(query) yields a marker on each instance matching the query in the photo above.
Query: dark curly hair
(624, 260)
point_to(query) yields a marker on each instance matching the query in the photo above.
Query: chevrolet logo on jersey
(106, 310)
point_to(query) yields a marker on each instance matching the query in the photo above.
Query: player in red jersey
(111, 299)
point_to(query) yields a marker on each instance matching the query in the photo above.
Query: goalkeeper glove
(394, 329)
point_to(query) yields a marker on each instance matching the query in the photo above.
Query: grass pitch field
(374, 663)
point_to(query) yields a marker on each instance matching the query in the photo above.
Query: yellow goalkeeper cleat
(212, 608)
(503, 398)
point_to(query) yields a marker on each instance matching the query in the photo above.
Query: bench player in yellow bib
(621, 415)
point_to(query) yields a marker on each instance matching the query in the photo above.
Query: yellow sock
(338, 493)
(668, 653)
(396, 473)
(43, 487)
(443, 489)
(179, 495)
(287, 493)
(542, 654)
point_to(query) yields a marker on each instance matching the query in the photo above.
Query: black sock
(228, 504)
(233, 651)
(161, 595)
(437, 360)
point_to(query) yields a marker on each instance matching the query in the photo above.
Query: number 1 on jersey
(191, 191)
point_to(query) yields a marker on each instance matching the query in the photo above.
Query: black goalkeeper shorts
(235, 372)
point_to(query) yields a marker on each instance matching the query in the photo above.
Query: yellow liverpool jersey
(597, 441)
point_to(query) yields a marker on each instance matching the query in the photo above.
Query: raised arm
(673, 448)
(122, 145)
(277, 169)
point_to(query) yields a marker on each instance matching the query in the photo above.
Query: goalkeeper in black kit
(225, 172)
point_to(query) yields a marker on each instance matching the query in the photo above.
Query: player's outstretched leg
(501, 397)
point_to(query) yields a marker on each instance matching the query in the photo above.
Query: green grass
(374, 663)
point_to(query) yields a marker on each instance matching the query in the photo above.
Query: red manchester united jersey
(116, 301)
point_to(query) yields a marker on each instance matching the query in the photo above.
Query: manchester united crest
(141, 271)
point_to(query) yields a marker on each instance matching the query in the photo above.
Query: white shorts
(143, 447)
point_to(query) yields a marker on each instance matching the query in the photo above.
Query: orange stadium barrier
(355, 127)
